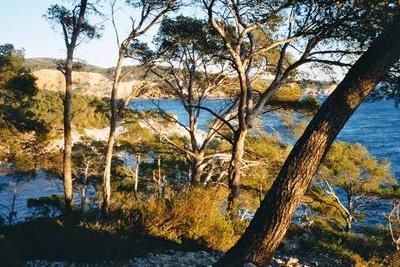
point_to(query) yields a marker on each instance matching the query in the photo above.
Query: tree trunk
(67, 160)
(137, 166)
(235, 166)
(209, 175)
(349, 222)
(197, 168)
(84, 187)
(270, 223)
(350, 217)
(111, 137)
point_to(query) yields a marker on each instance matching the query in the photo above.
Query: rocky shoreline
(172, 258)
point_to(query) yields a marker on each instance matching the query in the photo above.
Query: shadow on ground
(65, 239)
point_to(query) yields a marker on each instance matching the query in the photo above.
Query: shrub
(196, 214)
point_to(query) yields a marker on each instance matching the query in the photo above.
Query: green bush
(195, 214)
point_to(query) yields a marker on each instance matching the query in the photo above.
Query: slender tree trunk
(67, 160)
(349, 222)
(111, 137)
(84, 187)
(235, 167)
(270, 223)
(350, 217)
(137, 166)
(159, 168)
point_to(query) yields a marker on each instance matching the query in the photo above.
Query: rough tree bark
(140, 27)
(270, 223)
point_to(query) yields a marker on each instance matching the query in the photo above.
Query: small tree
(191, 52)
(75, 26)
(349, 170)
(11, 61)
(17, 88)
(87, 162)
(150, 12)
(134, 147)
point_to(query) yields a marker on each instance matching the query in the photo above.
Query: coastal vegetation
(251, 177)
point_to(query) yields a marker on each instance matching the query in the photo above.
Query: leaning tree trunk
(270, 223)
(67, 160)
(111, 137)
(235, 168)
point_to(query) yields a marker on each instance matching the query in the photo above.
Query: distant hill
(97, 81)
(36, 64)
(51, 63)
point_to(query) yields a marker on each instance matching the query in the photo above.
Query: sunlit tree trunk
(271, 221)
(70, 43)
(111, 137)
(239, 137)
(197, 168)
(235, 167)
(137, 167)
(350, 216)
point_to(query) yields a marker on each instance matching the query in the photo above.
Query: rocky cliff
(94, 84)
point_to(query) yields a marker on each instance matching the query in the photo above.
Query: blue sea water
(376, 125)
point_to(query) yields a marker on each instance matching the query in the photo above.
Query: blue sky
(22, 24)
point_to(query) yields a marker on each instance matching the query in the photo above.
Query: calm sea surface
(374, 125)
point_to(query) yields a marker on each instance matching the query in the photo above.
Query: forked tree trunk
(270, 223)
(67, 160)
(111, 137)
(235, 168)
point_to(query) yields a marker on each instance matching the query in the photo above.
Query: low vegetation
(136, 182)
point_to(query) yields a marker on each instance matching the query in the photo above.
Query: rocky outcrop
(99, 85)
(93, 84)
(322, 91)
